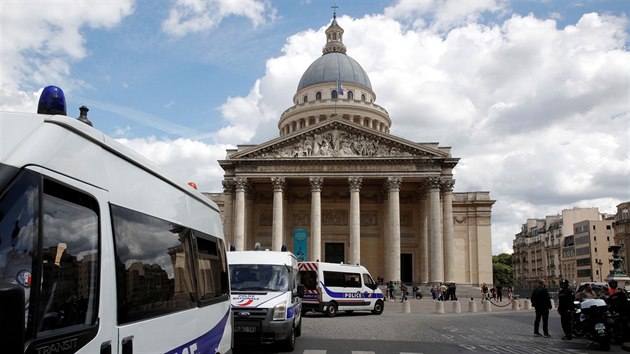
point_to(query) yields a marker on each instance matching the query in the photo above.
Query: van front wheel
(378, 308)
(331, 310)
(289, 343)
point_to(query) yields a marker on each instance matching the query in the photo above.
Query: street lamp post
(599, 263)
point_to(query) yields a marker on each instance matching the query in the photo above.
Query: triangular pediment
(338, 138)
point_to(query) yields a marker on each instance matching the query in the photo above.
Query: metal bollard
(472, 305)
(439, 307)
(516, 305)
(406, 307)
(457, 307)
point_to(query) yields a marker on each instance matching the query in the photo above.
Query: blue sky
(531, 95)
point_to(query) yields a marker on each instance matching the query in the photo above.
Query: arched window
(334, 36)
(318, 96)
(350, 95)
(363, 97)
(333, 94)
(305, 99)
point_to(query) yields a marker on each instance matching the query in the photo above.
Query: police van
(266, 297)
(100, 251)
(332, 287)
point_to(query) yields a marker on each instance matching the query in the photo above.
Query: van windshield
(261, 277)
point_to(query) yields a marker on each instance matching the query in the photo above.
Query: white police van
(332, 287)
(101, 252)
(266, 297)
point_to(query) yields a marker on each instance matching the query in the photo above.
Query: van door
(59, 243)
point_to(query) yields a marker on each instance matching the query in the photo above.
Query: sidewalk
(428, 306)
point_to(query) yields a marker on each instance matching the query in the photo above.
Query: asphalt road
(421, 330)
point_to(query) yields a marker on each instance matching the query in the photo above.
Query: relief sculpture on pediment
(335, 143)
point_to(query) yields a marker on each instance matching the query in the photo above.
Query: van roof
(261, 257)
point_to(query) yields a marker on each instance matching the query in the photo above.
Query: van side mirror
(12, 324)
(300, 290)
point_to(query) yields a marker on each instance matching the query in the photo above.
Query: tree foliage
(502, 269)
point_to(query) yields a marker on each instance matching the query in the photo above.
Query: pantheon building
(336, 186)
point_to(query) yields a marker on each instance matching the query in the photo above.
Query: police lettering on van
(100, 251)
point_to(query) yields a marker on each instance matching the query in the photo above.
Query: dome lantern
(334, 37)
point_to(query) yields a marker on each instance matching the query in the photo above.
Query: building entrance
(406, 267)
(334, 252)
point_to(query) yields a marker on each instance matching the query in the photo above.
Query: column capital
(240, 184)
(355, 183)
(279, 183)
(433, 182)
(393, 184)
(316, 183)
(228, 185)
(448, 185)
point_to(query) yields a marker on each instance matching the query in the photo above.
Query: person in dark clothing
(542, 303)
(618, 303)
(566, 296)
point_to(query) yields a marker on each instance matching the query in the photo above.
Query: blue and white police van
(100, 251)
(332, 287)
(266, 297)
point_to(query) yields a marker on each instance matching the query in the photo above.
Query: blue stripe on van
(352, 294)
(208, 343)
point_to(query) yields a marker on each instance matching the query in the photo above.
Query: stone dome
(334, 66)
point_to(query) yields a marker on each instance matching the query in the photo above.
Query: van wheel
(289, 343)
(378, 308)
(298, 329)
(331, 310)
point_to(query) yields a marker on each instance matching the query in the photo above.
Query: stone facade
(359, 194)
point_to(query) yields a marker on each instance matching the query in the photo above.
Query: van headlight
(280, 312)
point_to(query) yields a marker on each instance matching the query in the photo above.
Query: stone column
(277, 226)
(436, 273)
(240, 185)
(316, 218)
(250, 195)
(447, 224)
(393, 256)
(424, 235)
(228, 210)
(355, 220)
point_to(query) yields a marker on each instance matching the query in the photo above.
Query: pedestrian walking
(434, 292)
(566, 297)
(510, 293)
(484, 292)
(542, 304)
(499, 293)
(403, 292)
(414, 291)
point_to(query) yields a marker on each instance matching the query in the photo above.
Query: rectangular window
(70, 258)
(154, 266)
(212, 270)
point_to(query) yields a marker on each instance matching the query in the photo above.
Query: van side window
(340, 279)
(212, 271)
(367, 280)
(19, 224)
(70, 258)
(154, 273)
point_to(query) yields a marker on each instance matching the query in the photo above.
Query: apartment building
(621, 230)
(547, 249)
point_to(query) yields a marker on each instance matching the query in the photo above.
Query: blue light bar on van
(52, 101)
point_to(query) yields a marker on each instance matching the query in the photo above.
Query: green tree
(502, 269)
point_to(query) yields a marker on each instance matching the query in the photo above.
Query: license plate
(600, 328)
(245, 329)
